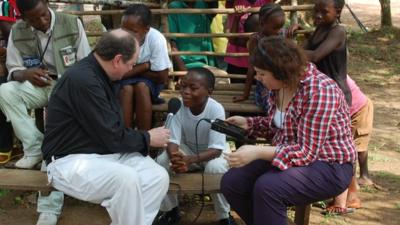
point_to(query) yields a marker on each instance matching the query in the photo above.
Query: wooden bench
(223, 94)
(188, 183)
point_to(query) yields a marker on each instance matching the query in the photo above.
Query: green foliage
(3, 193)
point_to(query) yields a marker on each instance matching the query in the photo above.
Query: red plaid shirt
(316, 124)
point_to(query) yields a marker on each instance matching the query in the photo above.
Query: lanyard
(45, 48)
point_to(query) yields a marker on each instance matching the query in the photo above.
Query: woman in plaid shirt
(312, 152)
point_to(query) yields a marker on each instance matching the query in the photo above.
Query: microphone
(174, 104)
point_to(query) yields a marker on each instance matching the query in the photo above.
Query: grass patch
(376, 157)
(4, 193)
(397, 205)
(333, 220)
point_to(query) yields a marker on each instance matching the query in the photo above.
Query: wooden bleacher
(188, 183)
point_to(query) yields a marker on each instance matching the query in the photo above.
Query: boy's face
(134, 25)
(325, 13)
(39, 17)
(194, 91)
(273, 24)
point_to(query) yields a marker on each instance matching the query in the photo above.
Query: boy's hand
(178, 164)
(159, 137)
(239, 10)
(239, 121)
(292, 29)
(240, 98)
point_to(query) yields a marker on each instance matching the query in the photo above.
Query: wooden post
(293, 14)
(165, 29)
(302, 215)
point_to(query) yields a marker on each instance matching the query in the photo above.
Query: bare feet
(365, 181)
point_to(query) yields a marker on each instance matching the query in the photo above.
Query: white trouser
(217, 165)
(15, 100)
(130, 186)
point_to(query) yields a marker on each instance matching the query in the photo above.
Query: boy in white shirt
(183, 153)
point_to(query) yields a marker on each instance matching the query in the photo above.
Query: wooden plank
(188, 183)
(193, 11)
(247, 106)
(191, 183)
(31, 180)
(34, 180)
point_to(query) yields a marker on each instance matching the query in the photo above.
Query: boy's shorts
(361, 126)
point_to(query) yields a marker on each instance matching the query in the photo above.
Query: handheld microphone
(174, 104)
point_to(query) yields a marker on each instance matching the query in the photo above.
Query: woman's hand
(243, 156)
(239, 121)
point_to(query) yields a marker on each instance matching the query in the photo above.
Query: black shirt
(84, 116)
(334, 64)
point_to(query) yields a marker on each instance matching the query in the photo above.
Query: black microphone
(174, 104)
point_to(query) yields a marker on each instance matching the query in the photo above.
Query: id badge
(68, 55)
(31, 61)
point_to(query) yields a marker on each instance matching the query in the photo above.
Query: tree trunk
(386, 15)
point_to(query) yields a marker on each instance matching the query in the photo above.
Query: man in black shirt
(90, 155)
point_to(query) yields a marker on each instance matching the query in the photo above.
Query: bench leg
(302, 215)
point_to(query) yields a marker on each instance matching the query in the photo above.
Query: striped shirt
(8, 10)
(316, 124)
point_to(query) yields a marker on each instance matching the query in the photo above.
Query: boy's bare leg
(143, 105)
(364, 175)
(126, 98)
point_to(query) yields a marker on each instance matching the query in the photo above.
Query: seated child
(271, 20)
(142, 85)
(182, 152)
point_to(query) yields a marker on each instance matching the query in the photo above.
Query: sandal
(5, 157)
(354, 203)
(337, 211)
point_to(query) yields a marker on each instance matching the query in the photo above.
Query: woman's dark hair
(205, 74)
(280, 56)
(26, 5)
(268, 9)
(111, 45)
(140, 10)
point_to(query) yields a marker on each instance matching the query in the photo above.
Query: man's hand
(159, 137)
(37, 76)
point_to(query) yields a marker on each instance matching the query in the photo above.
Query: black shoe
(169, 218)
(228, 221)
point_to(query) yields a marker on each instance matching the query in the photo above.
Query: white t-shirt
(154, 50)
(183, 126)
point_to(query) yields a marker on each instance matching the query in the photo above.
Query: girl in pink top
(238, 65)
(361, 112)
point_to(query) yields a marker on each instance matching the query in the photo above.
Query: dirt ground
(375, 65)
